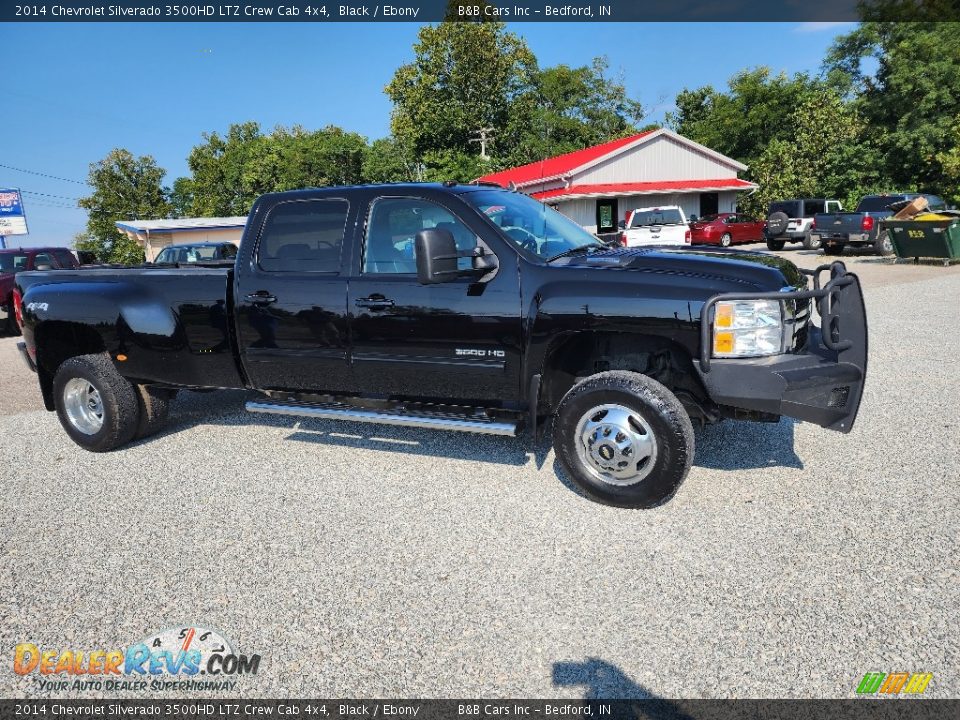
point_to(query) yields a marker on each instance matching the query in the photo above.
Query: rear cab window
(303, 236)
(656, 216)
(878, 203)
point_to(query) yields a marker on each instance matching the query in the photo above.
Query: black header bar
(425, 11)
(655, 709)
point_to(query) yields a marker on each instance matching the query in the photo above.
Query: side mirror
(436, 256)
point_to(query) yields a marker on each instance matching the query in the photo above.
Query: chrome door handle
(261, 298)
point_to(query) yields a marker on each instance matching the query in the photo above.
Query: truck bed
(173, 325)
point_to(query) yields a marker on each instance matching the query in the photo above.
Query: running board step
(433, 421)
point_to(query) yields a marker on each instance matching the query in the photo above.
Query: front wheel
(811, 242)
(624, 439)
(96, 405)
(725, 240)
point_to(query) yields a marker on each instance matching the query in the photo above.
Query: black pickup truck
(458, 307)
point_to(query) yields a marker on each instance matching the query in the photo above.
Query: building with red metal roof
(597, 186)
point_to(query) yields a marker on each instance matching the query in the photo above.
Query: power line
(49, 195)
(34, 172)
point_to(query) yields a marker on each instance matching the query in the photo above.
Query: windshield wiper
(572, 251)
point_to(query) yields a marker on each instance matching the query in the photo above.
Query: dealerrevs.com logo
(188, 658)
(896, 683)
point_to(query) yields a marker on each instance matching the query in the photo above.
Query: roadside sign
(13, 220)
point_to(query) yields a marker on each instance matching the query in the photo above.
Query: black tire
(154, 405)
(809, 243)
(117, 402)
(645, 399)
(777, 223)
(883, 245)
(725, 240)
(775, 244)
(833, 249)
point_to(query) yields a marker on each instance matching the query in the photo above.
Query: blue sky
(75, 91)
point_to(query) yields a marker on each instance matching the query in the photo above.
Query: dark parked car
(861, 228)
(457, 307)
(726, 229)
(197, 252)
(13, 261)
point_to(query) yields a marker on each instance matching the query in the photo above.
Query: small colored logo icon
(878, 683)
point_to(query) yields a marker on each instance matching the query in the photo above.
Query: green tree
(827, 156)
(757, 109)
(904, 79)
(125, 187)
(229, 172)
(465, 76)
(569, 108)
(386, 161)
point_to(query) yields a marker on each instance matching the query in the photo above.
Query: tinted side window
(394, 223)
(790, 208)
(303, 236)
(65, 258)
(43, 259)
(813, 207)
(229, 252)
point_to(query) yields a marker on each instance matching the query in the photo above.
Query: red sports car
(726, 229)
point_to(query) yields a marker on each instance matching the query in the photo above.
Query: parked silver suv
(792, 220)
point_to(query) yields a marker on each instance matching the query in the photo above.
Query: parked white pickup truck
(665, 225)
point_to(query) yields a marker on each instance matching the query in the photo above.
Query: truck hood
(751, 270)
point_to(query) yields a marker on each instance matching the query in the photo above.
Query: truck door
(291, 298)
(451, 341)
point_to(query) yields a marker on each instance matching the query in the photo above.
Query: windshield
(531, 225)
(12, 262)
(657, 216)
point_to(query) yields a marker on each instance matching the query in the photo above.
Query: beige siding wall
(662, 158)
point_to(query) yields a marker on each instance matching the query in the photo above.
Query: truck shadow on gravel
(726, 446)
(605, 681)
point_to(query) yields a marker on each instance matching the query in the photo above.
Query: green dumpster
(925, 238)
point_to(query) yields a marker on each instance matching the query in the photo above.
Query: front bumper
(25, 354)
(823, 384)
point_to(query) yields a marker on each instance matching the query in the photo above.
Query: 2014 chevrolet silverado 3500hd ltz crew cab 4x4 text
(458, 307)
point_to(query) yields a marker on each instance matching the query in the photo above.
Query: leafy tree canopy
(125, 187)
(229, 172)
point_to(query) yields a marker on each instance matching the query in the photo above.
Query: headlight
(747, 328)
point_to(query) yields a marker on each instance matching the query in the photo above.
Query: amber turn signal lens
(121, 357)
(724, 316)
(723, 342)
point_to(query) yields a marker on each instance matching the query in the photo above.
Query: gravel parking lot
(364, 561)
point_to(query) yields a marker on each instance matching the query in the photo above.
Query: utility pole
(484, 136)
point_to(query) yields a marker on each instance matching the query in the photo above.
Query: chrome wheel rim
(725, 240)
(83, 406)
(616, 445)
